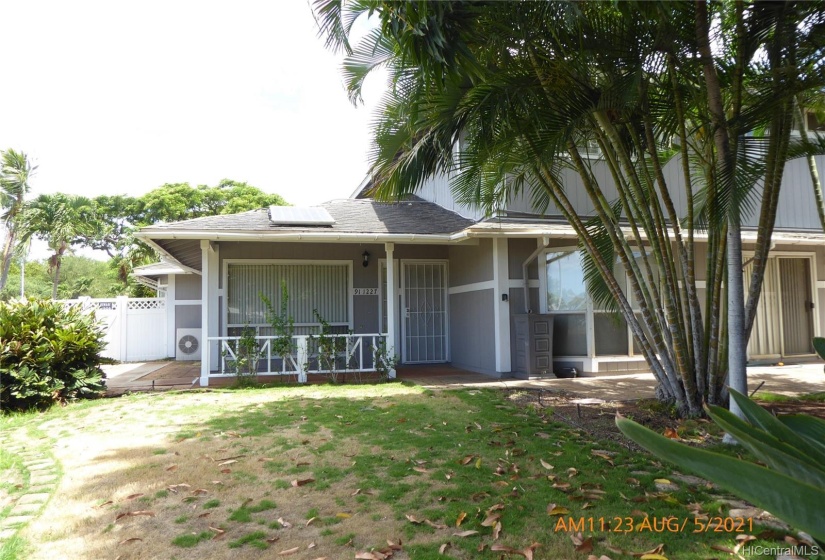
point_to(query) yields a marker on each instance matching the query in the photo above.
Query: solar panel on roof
(300, 216)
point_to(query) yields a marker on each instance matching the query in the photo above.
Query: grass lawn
(331, 472)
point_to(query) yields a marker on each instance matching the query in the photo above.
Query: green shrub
(48, 353)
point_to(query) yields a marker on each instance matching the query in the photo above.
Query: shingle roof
(413, 216)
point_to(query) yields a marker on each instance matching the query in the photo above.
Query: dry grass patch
(331, 471)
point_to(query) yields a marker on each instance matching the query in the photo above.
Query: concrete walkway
(150, 376)
(786, 380)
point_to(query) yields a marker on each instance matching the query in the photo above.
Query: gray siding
(187, 317)
(518, 250)
(437, 190)
(796, 210)
(472, 337)
(471, 263)
(187, 286)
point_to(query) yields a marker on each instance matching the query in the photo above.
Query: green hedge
(48, 353)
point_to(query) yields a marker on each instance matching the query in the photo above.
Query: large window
(576, 319)
(321, 287)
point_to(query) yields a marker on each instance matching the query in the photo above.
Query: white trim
(474, 287)
(170, 316)
(347, 263)
(446, 303)
(820, 284)
(501, 308)
(187, 302)
(518, 283)
(393, 315)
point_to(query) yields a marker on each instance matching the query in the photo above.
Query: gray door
(425, 312)
(797, 306)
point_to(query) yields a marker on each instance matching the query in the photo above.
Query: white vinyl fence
(135, 327)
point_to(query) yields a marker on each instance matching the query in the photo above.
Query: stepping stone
(666, 487)
(42, 488)
(17, 520)
(43, 478)
(692, 480)
(24, 509)
(37, 498)
(7, 534)
(41, 466)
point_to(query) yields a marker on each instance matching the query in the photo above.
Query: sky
(121, 97)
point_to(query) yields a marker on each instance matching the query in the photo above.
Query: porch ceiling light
(366, 256)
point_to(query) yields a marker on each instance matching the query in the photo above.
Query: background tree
(61, 221)
(531, 88)
(15, 172)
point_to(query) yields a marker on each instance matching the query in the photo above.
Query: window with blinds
(324, 287)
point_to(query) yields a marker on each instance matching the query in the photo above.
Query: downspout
(545, 242)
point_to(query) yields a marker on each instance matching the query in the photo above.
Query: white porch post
(209, 307)
(171, 335)
(392, 304)
(501, 305)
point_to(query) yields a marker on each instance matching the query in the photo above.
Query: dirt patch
(598, 418)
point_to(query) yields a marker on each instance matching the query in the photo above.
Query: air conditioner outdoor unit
(188, 344)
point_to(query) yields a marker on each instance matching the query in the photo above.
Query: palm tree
(531, 88)
(15, 172)
(60, 220)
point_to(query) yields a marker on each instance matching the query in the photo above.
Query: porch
(792, 379)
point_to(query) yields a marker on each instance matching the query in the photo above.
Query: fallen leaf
(553, 509)
(497, 530)
(467, 459)
(229, 462)
(199, 492)
(104, 504)
(285, 524)
(586, 546)
(444, 547)
(226, 471)
(460, 518)
(412, 519)
(435, 525)
(662, 481)
(144, 512)
(132, 496)
(343, 515)
(218, 532)
(289, 551)
(546, 465)
(230, 458)
(303, 482)
(542, 435)
(670, 433)
(356, 492)
(463, 534)
(133, 539)
(172, 468)
(421, 470)
(491, 520)
(311, 521)
(273, 540)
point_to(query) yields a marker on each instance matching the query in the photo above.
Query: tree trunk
(8, 249)
(817, 185)
(725, 157)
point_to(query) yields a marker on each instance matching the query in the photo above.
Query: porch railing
(344, 353)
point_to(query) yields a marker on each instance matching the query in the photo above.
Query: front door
(424, 311)
(797, 304)
(784, 316)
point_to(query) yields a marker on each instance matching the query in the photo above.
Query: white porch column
(501, 305)
(209, 307)
(392, 305)
(171, 335)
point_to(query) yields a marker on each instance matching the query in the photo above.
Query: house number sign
(365, 291)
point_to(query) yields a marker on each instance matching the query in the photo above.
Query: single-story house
(439, 283)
